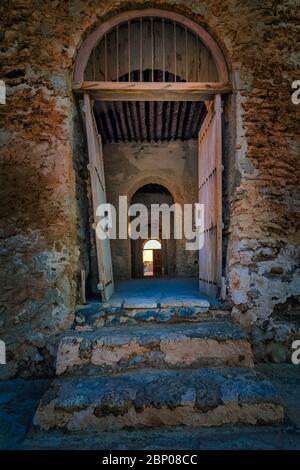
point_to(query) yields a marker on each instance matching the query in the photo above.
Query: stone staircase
(132, 368)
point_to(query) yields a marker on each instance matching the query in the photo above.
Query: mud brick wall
(43, 174)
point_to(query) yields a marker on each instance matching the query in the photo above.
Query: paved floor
(19, 399)
(223, 438)
(158, 292)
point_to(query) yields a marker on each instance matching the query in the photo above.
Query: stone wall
(41, 232)
(129, 166)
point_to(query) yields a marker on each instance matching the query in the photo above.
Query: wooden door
(106, 284)
(210, 194)
(157, 262)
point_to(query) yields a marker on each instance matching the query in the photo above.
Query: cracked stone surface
(203, 397)
(172, 346)
(19, 399)
(94, 314)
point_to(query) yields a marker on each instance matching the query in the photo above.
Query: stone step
(226, 437)
(116, 349)
(95, 314)
(153, 398)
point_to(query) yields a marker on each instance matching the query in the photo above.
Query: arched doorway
(156, 76)
(164, 261)
(152, 258)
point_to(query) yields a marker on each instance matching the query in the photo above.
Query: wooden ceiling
(158, 121)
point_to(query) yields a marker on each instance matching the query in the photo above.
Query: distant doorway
(152, 258)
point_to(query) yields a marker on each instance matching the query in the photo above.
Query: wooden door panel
(157, 262)
(96, 169)
(210, 194)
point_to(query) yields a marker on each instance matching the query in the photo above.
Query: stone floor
(158, 292)
(20, 398)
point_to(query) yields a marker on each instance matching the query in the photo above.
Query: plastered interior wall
(42, 228)
(129, 166)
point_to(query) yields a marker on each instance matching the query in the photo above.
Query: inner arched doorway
(155, 76)
(152, 258)
(161, 257)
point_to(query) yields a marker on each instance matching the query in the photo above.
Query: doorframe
(153, 249)
(151, 91)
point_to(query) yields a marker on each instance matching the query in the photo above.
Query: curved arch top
(95, 37)
(152, 244)
(150, 179)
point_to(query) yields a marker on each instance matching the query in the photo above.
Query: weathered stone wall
(40, 231)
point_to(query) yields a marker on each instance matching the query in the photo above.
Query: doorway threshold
(151, 300)
(152, 293)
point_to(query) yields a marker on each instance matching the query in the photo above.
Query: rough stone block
(207, 397)
(171, 346)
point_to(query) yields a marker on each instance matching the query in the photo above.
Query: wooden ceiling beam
(151, 91)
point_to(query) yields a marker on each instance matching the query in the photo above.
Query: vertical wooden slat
(197, 59)
(118, 53)
(105, 58)
(186, 56)
(141, 50)
(152, 51)
(175, 53)
(210, 194)
(164, 52)
(94, 64)
(129, 51)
